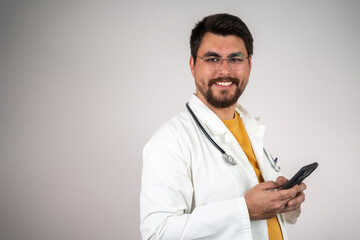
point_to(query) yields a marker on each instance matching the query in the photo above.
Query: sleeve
(291, 217)
(167, 205)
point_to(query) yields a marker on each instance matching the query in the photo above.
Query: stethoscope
(228, 158)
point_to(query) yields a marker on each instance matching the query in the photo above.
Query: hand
(263, 203)
(296, 202)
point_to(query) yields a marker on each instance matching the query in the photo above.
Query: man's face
(222, 87)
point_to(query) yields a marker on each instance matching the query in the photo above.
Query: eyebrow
(237, 54)
(214, 54)
(211, 54)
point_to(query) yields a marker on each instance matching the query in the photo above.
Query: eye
(236, 59)
(212, 59)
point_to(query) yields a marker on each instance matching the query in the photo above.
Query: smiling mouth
(225, 84)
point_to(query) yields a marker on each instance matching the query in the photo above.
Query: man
(188, 190)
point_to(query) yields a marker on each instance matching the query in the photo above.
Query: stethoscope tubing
(203, 130)
(229, 159)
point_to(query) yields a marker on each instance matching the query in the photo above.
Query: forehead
(223, 45)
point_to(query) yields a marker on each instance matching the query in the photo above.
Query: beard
(224, 100)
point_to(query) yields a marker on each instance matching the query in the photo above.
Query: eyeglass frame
(221, 60)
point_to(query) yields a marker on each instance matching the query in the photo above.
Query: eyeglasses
(234, 62)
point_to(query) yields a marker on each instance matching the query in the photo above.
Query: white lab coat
(188, 190)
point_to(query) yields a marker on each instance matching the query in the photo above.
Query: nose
(224, 67)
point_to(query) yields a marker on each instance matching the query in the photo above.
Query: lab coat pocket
(271, 167)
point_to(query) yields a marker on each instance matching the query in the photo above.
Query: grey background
(85, 84)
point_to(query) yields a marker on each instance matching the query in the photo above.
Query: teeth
(224, 83)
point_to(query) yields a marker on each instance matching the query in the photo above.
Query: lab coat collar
(213, 124)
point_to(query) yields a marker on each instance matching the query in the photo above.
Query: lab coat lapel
(256, 133)
(218, 131)
(210, 121)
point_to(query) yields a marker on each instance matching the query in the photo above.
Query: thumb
(281, 180)
(268, 185)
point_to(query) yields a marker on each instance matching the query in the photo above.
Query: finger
(290, 209)
(287, 194)
(268, 185)
(281, 180)
(299, 187)
(302, 186)
(298, 200)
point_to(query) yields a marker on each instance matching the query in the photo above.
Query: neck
(222, 113)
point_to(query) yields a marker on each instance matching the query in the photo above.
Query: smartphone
(300, 175)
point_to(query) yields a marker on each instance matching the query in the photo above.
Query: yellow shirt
(237, 128)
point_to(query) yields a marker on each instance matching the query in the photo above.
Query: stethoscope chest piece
(229, 159)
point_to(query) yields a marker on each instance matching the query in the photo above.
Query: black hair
(223, 24)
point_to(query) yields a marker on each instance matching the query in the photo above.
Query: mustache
(223, 79)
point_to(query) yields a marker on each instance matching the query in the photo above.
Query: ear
(192, 65)
(250, 63)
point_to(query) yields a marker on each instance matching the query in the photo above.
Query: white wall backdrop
(84, 84)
